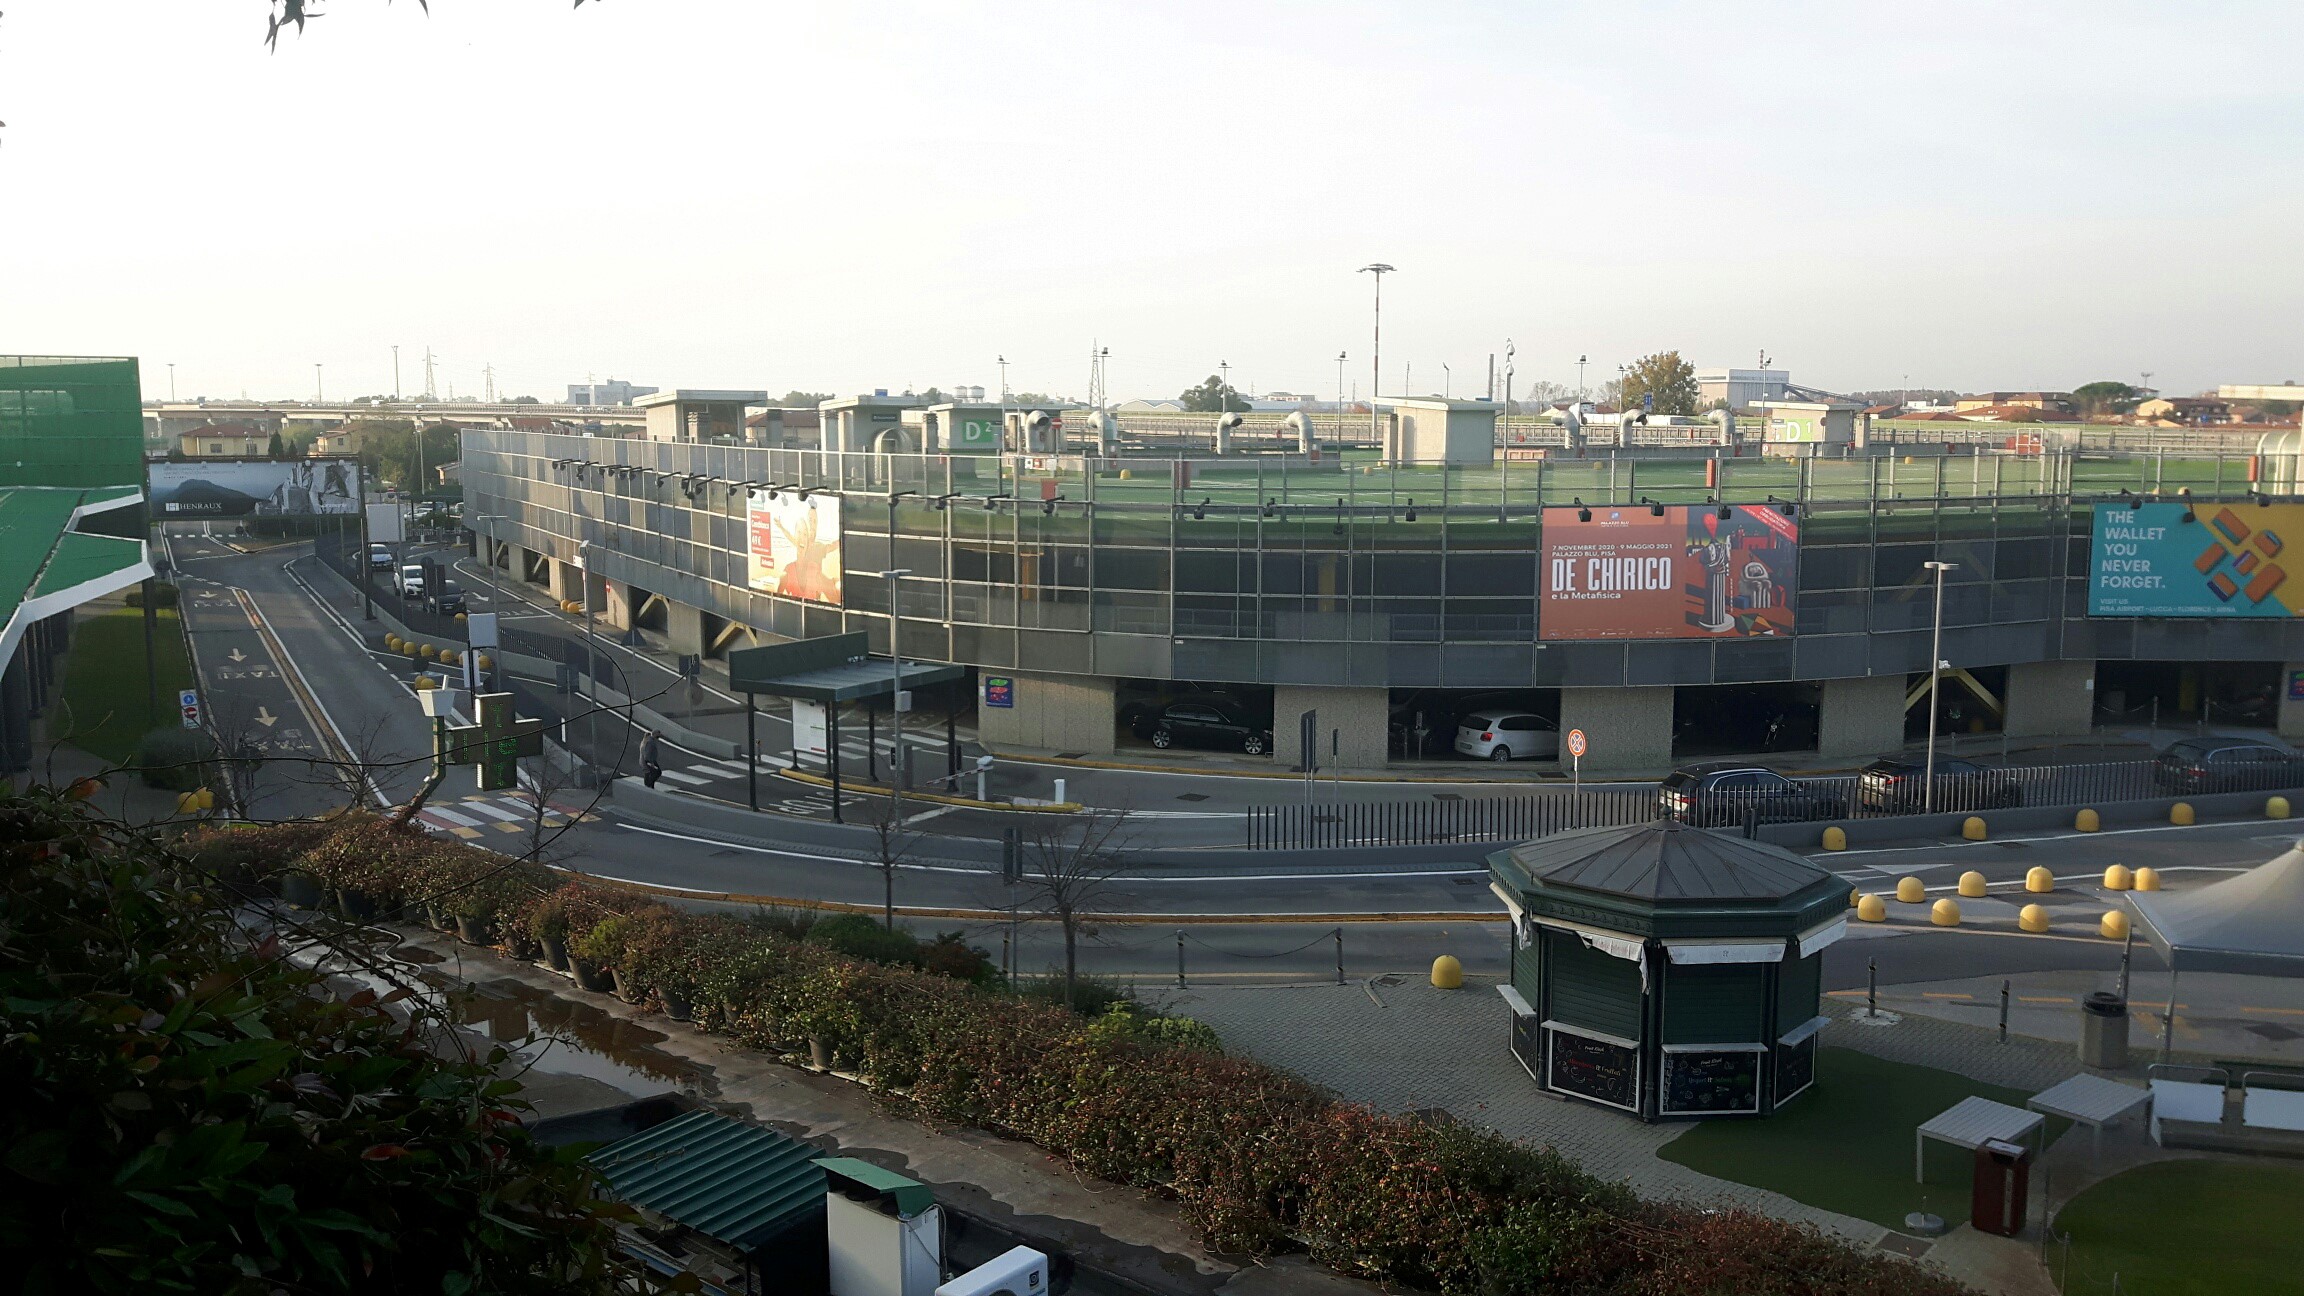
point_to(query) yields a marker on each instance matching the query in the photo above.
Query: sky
(843, 197)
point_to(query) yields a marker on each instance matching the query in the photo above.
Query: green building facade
(71, 421)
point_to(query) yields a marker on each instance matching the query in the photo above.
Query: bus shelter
(829, 671)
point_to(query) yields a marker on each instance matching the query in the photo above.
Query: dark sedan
(1723, 793)
(1896, 785)
(2226, 765)
(1208, 724)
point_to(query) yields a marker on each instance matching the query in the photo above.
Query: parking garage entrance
(1969, 700)
(1474, 724)
(1156, 715)
(1744, 719)
(2136, 694)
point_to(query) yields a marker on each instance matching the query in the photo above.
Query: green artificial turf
(104, 682)
(2187, 1228)
(1846, 1144)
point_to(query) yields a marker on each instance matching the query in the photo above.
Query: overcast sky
(730, 193)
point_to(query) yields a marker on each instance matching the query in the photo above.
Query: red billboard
(1637, 572)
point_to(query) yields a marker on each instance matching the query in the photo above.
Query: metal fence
(1845, 796)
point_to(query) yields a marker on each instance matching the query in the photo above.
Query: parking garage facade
(1390, 595)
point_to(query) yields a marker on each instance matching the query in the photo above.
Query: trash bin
(2003, 1181)
(2104, 1031)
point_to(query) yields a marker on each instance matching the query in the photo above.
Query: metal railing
(1432, 821)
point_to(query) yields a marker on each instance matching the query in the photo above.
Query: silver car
(1505, 734)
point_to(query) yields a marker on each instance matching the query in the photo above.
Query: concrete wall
(1058, 713)
(1353, 723)
(563, 579)
(1629, 729)
(684, 627)
(1861, 717)
(2051, 699)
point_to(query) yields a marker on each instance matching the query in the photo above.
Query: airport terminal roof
(46, 566)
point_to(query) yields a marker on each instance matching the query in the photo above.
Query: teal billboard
(2186, 560)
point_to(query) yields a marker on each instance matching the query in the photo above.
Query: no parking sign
(1577, 746)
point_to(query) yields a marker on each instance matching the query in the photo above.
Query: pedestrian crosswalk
(497, 812)
(703, 773)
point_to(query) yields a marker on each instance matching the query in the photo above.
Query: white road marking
(689, 779)
(460, 821)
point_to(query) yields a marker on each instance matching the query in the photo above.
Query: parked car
(1139, 715)
(409, 580)
(2226, 765)
(1895, 785)
(448, 600)
(379, 557)
(1210, 724)
(1720, 793)
(1507, 734)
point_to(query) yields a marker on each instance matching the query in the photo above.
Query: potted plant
(597, 952)
(474, 909)
(548, 923)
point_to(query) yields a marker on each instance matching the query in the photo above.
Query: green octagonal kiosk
(1665, 970)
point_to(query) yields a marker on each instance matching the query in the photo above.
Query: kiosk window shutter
(1590, 989)
(1799, 982)
(1713, 1003)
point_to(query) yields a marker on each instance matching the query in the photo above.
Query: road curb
(881, 789)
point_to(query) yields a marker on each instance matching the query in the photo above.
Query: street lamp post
(1376, 354)
(319, 390)
(897, 766)
(1935, 674)
(1339, 395)
(1580, 376)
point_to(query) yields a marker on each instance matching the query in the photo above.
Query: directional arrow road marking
(265, 717)
(237, 655)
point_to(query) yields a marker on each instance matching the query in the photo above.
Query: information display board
(1679, 572)
(1711, 1083)
(222, 488)
(1600, 1070)
(2229, 560)
(793, 546)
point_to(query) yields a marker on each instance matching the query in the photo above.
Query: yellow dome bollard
(187, 802)
(1835, 837)
(2032, 918)
(1447, 973)
(2087, 821)
(2118, 878)
(462, 617)
(2038, 880)
(2147, 879)
(1910, 891)
(1972, 828)
(485, 661)
(1945, 913)
(425, 682)
(2114, 925)
(1855, 896)
(428, 652)
(1871, 909)
(392, 643)
(1972, 884)
(2276, 807)
(2180, 813)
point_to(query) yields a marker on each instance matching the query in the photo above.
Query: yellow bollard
(2118, 878)
(2038, 880)
(1972, 884)
(1855, 896)
(2180, 813)
(2147, 879)
(1835, 837)
(462, 617)
(1447, 973)
(1126, 473)
(427, 652)
(2032, 918)
(424, 682)
(207, 799)
(1945, 913)
(2114, 925)
(2087, 821)
(187, 802)
(484, 661)
(1910, 891)
(1871, 909)
(2276, 807)
(1972, 828)
(392, 643)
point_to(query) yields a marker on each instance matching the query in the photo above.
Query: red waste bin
(2003, 1183)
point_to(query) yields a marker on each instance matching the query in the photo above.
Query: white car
(409, 580)
(1505, 734)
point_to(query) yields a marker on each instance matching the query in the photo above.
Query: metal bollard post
(1872, 987)
(1179, 958)
(1060, 791)
(2003, 1011)
(1339, 956)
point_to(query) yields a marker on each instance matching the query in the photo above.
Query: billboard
(232, 488)
(2229, 560)
(1634, 572)
(793, 544)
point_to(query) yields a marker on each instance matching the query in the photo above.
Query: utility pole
(488, 377)
(896, 762)
(171, 382)
(431, 393)
(395, 373)
(319, 392)
(1376, 355)
(1339, 395)
(1935, 674)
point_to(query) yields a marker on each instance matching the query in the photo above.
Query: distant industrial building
(615, 391)
(1741, 388)
(2039, 400)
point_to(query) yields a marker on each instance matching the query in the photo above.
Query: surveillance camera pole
(1935, 674)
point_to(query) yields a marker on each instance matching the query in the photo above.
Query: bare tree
(361, 752)
(543, 780)
(891, 846)
(1068, 862)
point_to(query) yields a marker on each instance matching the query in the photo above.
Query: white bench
(2186, 1100)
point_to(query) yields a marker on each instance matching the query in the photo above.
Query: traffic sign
(189, 700)
(1576, 744)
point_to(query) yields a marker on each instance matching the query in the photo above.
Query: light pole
(171, 382)
(1580, 376)
(1224, 386)
(1935, 673)
(1376, 354)
(897, 766)
(395, 373)
(1447, 382)
(1339, 395)
(319, 392)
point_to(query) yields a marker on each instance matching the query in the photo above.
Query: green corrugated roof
(40, 555)
(79, 559)
(911, 1196)
(736, 1183)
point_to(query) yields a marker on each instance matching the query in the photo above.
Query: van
(409, 580)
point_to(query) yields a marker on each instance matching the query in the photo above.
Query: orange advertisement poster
(1686, 573)
(794, 546)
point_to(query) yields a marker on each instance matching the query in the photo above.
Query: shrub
(163, 595)
(602, 945)
(176, 759)
(861, 937)
(1091, 996)
(1129, 1023)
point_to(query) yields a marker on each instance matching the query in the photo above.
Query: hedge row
(1259, 1160)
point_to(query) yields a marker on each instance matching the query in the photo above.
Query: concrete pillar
(1354, 725)
(1058, 713)
(563, 579)
(1629, 729)
(684, 627)
(2291, 718)
(1861, 717)
(2052, 699)
(15, 717)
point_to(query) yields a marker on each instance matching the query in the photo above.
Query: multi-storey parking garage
(1671, 600)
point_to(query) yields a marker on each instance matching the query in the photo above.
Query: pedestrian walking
(651, 758)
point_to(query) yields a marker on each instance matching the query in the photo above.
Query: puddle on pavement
(578, 1039)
